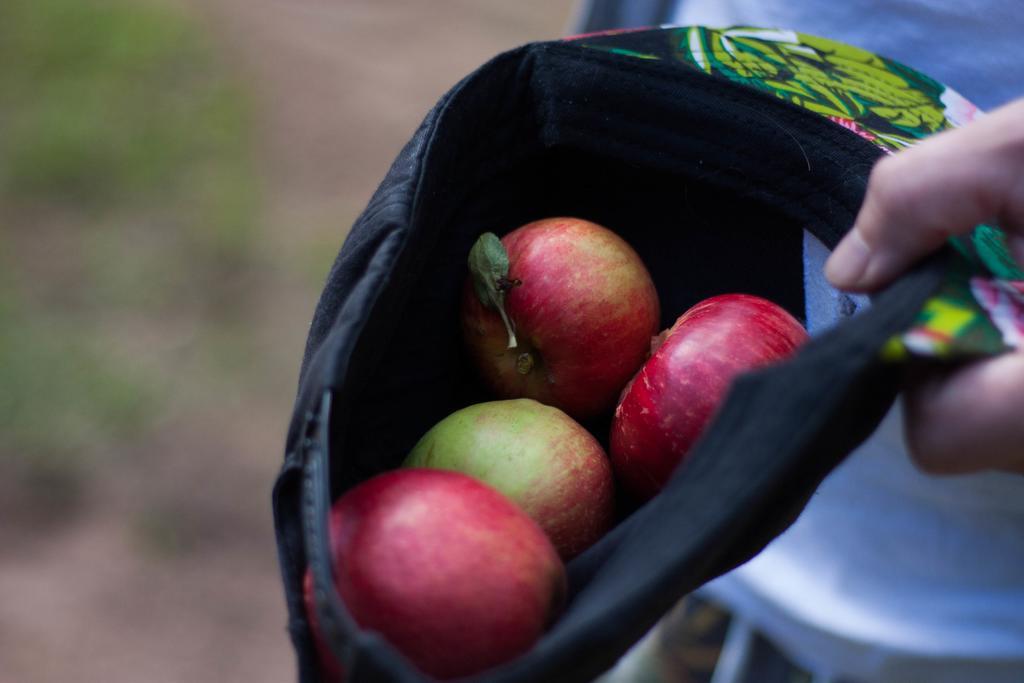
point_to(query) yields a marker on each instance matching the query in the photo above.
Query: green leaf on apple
(488, 264)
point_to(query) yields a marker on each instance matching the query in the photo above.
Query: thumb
(943, 186)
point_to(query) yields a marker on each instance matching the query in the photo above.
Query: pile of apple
(457, 557)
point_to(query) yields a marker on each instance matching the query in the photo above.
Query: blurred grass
(127, 194)
(60, 396)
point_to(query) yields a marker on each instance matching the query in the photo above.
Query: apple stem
(488, 265)
(512, 341)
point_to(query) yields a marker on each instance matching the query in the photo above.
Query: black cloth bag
(712, 183)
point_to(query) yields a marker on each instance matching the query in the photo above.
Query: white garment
(973, 46)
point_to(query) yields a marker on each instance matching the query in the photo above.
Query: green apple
(538, 456)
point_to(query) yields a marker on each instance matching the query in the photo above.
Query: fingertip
(848, 263)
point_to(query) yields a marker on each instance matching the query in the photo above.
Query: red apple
(561, 311)
(666, 407)
(451, 572)
(536, 455)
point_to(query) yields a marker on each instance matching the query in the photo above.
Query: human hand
(969, 418)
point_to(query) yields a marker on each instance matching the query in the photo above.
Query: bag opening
(713, 184)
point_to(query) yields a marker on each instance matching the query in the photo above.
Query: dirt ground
(167, 570)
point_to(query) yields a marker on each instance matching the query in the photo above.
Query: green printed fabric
(979, 308)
